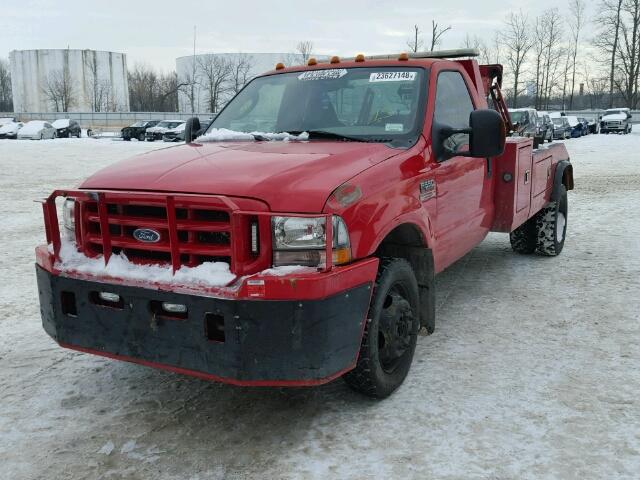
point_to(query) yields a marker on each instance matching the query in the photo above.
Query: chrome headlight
(302, 241)
(69, 218)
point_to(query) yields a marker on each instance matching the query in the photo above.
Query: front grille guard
(238, 266)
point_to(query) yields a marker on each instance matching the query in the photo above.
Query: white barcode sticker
(392, 77)
(332, 74)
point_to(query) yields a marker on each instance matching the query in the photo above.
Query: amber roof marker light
(312, 61)
(335, 59)
(359, 57)
(279, 66)
(403, 56)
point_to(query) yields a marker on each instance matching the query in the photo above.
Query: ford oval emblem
(146, 235)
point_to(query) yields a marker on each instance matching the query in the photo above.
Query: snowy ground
(533, 372)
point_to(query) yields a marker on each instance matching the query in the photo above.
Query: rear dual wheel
(545, 232)
(391, 332)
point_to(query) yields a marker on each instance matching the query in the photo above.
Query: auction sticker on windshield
(332, 74)
(392, 77)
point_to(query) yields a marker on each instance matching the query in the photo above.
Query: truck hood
(292, 177)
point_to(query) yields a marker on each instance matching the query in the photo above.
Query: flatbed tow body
(289, 327)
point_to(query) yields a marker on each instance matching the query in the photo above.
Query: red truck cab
(297, 240)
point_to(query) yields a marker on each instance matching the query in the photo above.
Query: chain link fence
(105, 120)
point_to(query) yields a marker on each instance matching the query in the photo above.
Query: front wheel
(391, 332)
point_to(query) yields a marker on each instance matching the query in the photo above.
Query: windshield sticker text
(393, 127)
(332, 74)
(392, 77)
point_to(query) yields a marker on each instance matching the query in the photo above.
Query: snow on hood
(5, 120)
(32, 127)
(573, 121)
(61, 123)
(161, 129)
(224, 135)
(11, 127)
(615, 116)
(178, 129)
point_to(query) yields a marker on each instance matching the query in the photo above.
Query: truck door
(463, 184)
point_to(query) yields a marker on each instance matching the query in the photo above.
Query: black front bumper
(266, 342)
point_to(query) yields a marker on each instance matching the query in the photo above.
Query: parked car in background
(546, 126)
(526, 124)
(616, 120)
(137, 130)
(10, 130)
(561, 127)
(585, 125)
(593, 125)
(175, 134)
(5, 120)
(67, 128)
(36, 130)
(156, 132)
(576, 126)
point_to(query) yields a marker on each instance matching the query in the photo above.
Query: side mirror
(487, 135)
(191, 129)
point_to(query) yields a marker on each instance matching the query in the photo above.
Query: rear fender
(563, 176)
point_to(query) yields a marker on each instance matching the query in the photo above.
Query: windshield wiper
(331, 135)
(259, 138)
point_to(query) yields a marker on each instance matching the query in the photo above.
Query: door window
(453, 107)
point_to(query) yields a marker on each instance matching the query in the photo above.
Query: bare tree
(6, 98)
(59, 90)
(240, 71)
(517, 42)
(608, 37)
(100, 90)
(577, 11)
(305, 49)
(478, 44)
(437, 32)
(415, 43)
(628, 69)
(214, 73)
(150, 91)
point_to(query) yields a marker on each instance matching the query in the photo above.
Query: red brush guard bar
(193, 228)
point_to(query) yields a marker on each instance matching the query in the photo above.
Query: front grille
(203, 232)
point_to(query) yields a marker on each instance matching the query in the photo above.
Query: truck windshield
(519, 117)
(364, 104)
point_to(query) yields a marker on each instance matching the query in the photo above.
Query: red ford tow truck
(392, 167)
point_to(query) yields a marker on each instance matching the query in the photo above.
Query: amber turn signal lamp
(360, 57)
(279, 66)
(403, 56)
(312, 61)
(335, 59)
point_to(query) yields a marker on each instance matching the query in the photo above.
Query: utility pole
(193, 72)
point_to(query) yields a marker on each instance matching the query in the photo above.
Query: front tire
(391, 331)
(551, 225)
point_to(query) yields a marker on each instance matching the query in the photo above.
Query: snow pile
(210, 274)
(223, 134)
(61, 123)
(32, 127)
(166, 126)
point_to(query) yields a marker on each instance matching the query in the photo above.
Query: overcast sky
(157, 31)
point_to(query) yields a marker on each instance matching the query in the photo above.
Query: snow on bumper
(296, 329)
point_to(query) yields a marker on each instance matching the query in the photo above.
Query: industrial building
(69, 80)
(193, 66)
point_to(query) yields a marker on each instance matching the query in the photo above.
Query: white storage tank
(69, 80)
